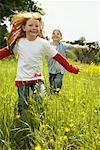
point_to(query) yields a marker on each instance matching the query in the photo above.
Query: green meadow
(71, 119)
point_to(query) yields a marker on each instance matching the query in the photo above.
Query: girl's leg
(38, 88)
(39, 91)
(42, 89)
(51, 81)
(23, 93)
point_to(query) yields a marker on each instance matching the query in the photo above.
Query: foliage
(8, 8)
(97, 58)
(3, 31)
(71, 118)
(81, 41)
(84, 56)
(93, 54)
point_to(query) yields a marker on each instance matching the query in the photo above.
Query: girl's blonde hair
(17, 22)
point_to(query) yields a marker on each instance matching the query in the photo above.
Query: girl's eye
(30, 25)
(36, 26)
(58, 34)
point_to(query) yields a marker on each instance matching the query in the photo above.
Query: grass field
(71, 118)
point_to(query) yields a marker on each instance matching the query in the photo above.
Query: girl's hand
(4, 52)
(75, 70)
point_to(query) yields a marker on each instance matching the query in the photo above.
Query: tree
(81, 41)
(10, 7)
(3, 31)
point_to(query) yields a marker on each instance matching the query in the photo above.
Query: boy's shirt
(53, 66)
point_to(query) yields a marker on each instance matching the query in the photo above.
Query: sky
(75, 18)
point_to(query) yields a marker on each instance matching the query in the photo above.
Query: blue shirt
(53, 66)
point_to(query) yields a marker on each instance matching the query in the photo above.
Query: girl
(26, 40)
(56, 71)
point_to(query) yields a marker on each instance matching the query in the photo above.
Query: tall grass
(70, 120)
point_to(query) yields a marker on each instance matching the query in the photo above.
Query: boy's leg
(58, 81)
(23, 93)
(51, 81)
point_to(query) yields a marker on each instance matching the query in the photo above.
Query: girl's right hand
(4, 52)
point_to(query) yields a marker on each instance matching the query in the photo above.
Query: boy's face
(32, 28)
(56, 36)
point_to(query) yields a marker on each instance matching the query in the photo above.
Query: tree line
(84, 56)
(8, 8)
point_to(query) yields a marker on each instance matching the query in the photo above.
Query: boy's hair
(19, 20)
(58, 31)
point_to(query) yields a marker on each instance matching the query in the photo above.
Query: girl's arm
(58, 57)
(4, 52)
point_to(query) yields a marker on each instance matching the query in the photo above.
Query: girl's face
(32, 29)
(56, 36)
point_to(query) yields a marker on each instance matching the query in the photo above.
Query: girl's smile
(32, 29)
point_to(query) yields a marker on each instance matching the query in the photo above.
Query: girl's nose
(33, 27)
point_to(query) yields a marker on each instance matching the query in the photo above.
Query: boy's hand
(84, 48)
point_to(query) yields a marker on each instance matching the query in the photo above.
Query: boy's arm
(80, 47)
(73, 69)
(4, 52)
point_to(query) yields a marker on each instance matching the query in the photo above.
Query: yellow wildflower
(17, 116)
(67, 129)
(95, 111)
(51, 141)
(71, 125)
(65, 138)
(57, 89)
(35, 91)
(38, 147)
(71, 100)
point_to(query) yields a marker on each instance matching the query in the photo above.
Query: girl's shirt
(30, 58)
(54, 66)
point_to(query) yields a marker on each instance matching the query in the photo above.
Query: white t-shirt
(30, 58)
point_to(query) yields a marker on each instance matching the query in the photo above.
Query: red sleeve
(58, 57)
(4, 52)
